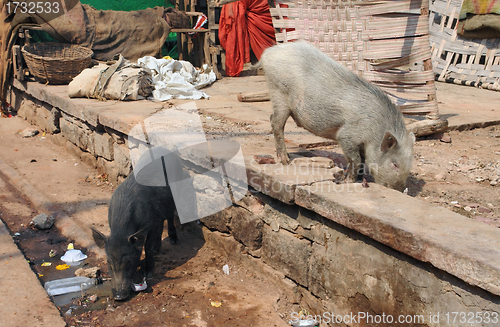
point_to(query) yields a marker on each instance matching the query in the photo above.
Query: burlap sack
(119, 81)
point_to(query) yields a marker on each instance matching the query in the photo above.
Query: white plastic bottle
(69, 285)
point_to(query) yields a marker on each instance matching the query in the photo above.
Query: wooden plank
(188, 30)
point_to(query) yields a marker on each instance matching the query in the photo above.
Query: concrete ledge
(429, 233)
(89, 110)
(279, 181)
(460, 246)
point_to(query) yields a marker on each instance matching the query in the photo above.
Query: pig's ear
(413, 138)
(138, 238)
(388, 142)
(99, 238)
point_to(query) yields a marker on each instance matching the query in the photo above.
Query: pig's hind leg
(172, 231)
(280, 114)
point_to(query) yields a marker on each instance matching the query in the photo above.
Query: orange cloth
(245, 25)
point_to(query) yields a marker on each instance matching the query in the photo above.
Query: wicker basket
(384, 41)
(459, 60)
(56, 63)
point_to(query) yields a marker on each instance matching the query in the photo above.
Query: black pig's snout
(120, 295)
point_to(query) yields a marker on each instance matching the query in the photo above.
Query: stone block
(58, 139)
(117, 136)
(372, 212)
(122, 159)
(224, 243)
(107, 167)
(47, 118)
(68, 130)
(203, 182)
(80, 136)
(312, 226)
(247, 228)
(279, 215)
(88, 159)
(15, 97)
(211, 202)
(287, 253)
(103, 145)
(72, 149)
(27, 110)
(219, 221)
(280, 181)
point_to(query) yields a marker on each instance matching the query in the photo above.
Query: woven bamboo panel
(385, 41)
(474, 62)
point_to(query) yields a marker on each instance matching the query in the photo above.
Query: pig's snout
(121, 294)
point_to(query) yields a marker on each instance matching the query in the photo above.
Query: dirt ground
(189, 287)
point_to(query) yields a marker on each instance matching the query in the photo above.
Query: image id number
(471, 317)
(39, 7)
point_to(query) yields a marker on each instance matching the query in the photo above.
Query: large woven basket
(384, 41)
(459, 60)
(56, 63)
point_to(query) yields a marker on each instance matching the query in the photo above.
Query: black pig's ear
(138, 238)
(388, 142)
(99, 238)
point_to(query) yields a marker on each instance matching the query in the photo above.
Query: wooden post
(18, 65)
(424, 11)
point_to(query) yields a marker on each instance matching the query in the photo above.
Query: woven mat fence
(474, 62)
(386, 42)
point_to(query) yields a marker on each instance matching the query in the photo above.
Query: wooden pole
(254, 96)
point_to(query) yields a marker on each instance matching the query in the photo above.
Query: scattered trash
(63, 267)
(365, 184)
(304, 320)
(43, 221)
(69, 285)
(46, 264)
(73, 256)
(52, 253)
(29, 132)
(454, 202)
(71, 246)
(92, 298)
(141, 286)
(303, 323)
(264, 159)
(225, 269)
(89, 272)
(216, 303)
(17, 234)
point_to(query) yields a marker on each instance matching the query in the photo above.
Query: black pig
(136, 215)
